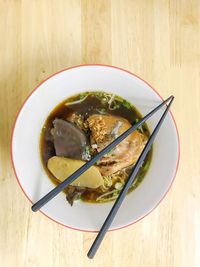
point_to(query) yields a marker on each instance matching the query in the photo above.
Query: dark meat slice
(69, 140)
(49, 151)
(73, 193)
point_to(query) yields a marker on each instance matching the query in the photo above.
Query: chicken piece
(104, 129)
(78, 120)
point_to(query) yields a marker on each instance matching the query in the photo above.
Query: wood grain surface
(158, 40)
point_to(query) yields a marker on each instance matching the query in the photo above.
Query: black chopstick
(126, 187)
(40, 203)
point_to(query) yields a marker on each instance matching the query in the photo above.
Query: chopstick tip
(33, 208)
(90, 255)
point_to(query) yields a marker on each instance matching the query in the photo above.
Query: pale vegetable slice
(62, 168)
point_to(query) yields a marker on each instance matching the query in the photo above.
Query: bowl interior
(26, 156)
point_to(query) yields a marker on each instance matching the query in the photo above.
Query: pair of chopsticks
(39, 204)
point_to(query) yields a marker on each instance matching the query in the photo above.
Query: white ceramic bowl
(25, 146)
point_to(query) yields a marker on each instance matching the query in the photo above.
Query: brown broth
(91, 105)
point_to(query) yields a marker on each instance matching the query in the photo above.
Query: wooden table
(157, 40)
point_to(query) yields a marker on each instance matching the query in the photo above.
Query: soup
(81, 126)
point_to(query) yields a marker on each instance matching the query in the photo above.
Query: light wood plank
(157, 40)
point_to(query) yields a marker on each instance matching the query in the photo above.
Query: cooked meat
(73, 193)
(78, 120)
(104, 129)
(69, 140)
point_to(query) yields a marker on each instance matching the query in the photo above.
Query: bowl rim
(79, 66)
